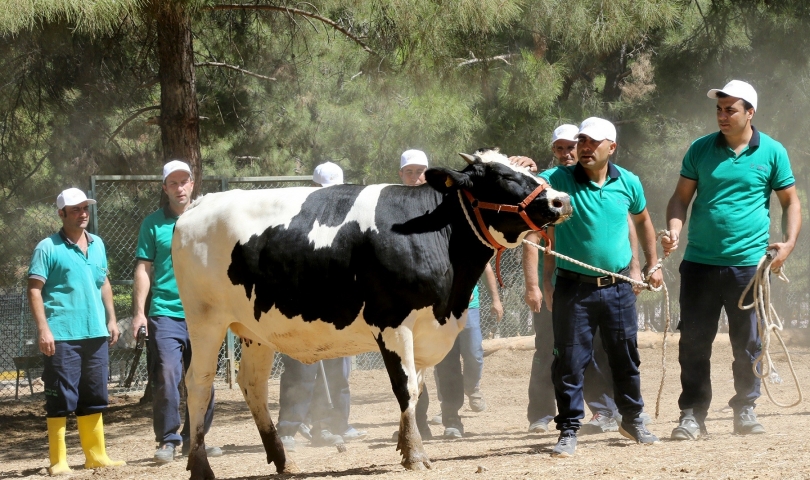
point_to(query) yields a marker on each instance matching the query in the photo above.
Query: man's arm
(549, 264)
(37, 306)
(109, 307)
(492, 286)
(646, 236)
(533, 296)
(791, 225)
(676, 212)
(140, 290)
(635, 266)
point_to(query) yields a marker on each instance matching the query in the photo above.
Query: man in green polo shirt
(72, 304)
(602, 194)
(730, 175)
(169, 346)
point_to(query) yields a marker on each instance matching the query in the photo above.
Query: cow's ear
(446, 180)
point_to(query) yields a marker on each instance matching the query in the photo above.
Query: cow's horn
(467, 157)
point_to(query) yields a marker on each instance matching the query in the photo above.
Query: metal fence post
(230, 358)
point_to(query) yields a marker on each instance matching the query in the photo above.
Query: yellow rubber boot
(91, 434)
(56, 446)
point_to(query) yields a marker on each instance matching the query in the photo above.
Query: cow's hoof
(417, 465)
(290, 467)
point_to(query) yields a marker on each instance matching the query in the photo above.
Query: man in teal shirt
(168, 345)
(730, 175)
(602, 194)
(72, 304)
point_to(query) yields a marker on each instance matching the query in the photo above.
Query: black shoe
(638, 432)
(600, 423)
(566, 445)
(688, 427)
(745, 422)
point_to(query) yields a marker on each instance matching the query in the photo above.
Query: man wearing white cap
(327, 174)
(412, 166)
(581, 303)
(598, 386)
(168, 342)
(72, 304)
(730, 175)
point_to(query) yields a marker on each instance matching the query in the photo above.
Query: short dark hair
(746, 104)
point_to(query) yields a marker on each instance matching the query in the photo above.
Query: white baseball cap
(328, 174)
(175, 166)
(565, 132)
(72, 196)
(737, 89)
(598, 129)
(412, 157)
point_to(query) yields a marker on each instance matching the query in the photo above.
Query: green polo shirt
(72, 290)
(730, 219)
(155, 245)
(474, 303)
(597, 232)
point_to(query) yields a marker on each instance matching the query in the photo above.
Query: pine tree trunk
(179, 118)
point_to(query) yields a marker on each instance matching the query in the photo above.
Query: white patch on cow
(362, 212)
(495, 156)
(498, 236)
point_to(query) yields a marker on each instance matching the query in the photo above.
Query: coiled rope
(768, 322)
(644, 285)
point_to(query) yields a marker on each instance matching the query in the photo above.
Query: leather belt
(604, 281)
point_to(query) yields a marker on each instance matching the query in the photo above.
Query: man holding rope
(730, 175)
(602, 194)
(598, 387)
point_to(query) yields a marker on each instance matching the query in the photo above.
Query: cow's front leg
(396, 347)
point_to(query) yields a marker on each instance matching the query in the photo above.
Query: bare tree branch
(232, 67)
(296, 11)
(131, 118)
(504, 58)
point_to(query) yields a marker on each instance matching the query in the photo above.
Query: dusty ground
(496, 442)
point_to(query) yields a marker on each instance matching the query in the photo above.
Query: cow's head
(491, 179)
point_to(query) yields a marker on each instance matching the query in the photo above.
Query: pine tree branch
(296, 11)
(504, 58)
(232, 67)
(131, 118)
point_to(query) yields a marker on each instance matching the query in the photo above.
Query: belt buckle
(608, 280)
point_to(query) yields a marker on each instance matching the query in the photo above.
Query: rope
(643, 284)
(767, 322)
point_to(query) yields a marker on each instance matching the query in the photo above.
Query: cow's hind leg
(254, 371)
(199, 383)
(397, 352)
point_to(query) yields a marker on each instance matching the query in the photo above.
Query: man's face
(732, 117)
(75, 216)
(178, 186)
(565, 151)
(412, 175)
(594, 154)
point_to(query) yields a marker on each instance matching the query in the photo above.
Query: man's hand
(112, 329)
(534, 298)
(657, 278)
(524, 162)
(138, 321)
(670, 241)
(46, 343)
(496, 309)
(782, 252)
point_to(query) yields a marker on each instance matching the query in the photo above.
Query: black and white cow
(327, 272)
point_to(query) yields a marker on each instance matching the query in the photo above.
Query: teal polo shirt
(474, 303)
(730, 217)
(155, 245)
(597, 232)
(72, 290)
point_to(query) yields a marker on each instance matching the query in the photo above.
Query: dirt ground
(496, 444)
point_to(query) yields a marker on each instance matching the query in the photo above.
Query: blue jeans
(169, 358)
(579, 310)
(302, 396)
(75, 377)
(451, 382)
(700, 315)
(598, 382)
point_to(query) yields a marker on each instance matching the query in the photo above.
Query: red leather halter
(520, 209)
